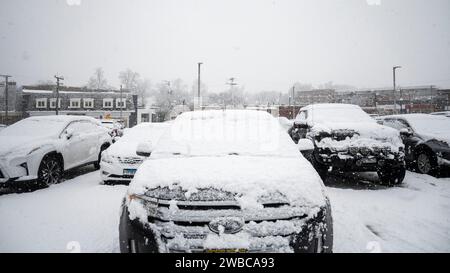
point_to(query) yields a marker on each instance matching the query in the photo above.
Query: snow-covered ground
(80, 214)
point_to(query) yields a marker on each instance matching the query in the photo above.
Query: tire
(425, 163)
(320, 169)
(50, 171)
(391, 177)
(97, 164)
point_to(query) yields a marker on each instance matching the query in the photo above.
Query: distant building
(75, 101)
(314, 96)
(13, 100)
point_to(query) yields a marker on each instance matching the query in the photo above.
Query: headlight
(107, 158)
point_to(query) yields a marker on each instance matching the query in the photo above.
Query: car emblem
(226, 225)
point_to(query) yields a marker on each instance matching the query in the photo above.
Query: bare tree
(129, 79)
(98, 80)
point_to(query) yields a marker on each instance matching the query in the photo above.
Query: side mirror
(68, 133)
(144, 149)
(305, 144)
(406, 132)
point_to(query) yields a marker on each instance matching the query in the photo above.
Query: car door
(92, 140)
(74, 147)
(409, 141)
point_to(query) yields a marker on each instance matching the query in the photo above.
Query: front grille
(130, 160)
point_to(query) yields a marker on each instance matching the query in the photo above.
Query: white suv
(38, 150)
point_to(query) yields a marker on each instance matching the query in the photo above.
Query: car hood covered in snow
(347, 134)
(26, 144)
(248, 179)
(144, 132)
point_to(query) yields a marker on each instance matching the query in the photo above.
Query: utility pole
(120, 105)
(293, 101)
(58, 78)
(231, 83)
(6, 95)
(395, 102)
(199, 84)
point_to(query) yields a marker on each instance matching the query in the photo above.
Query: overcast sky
(265, 44)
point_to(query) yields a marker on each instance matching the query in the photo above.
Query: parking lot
(79, 214)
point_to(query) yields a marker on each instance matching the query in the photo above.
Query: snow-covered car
(225, 181)
(445, 114)
(120, 161)
(342, 137)
(115, 127)
(426, 138)
(37, 150)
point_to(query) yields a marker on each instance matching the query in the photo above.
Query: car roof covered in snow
(426, 124)
(225, 132)
(63, 118)
(330, 113)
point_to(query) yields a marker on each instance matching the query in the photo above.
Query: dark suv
(426, 138)
(342, 137)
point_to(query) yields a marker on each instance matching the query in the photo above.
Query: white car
(120, 162)
(37, 150)
(114, 126)
(225, 181)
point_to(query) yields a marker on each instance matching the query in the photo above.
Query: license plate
(129, 171)
(369, 160)
(227, 250)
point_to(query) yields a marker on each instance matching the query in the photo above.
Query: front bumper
(358, 162)
(114, 173)
(295, 235)
(14, 171)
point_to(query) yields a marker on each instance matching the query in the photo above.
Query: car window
(396, 123)
(82, 127)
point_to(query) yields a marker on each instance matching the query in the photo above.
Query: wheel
(97, 164)
(320, 169)
(50, 171)
(392, 176)
(425, 163)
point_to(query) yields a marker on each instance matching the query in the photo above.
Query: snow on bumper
(280, 229)
(19, 168)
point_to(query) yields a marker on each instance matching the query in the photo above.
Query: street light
(199, 65)
(395, 102)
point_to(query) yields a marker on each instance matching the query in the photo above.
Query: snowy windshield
(34, 127)
(230, 132)
(430, 124)
(338, 114)
(144, 132)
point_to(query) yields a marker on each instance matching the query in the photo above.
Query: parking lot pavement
(414, 217)
(80, 214)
